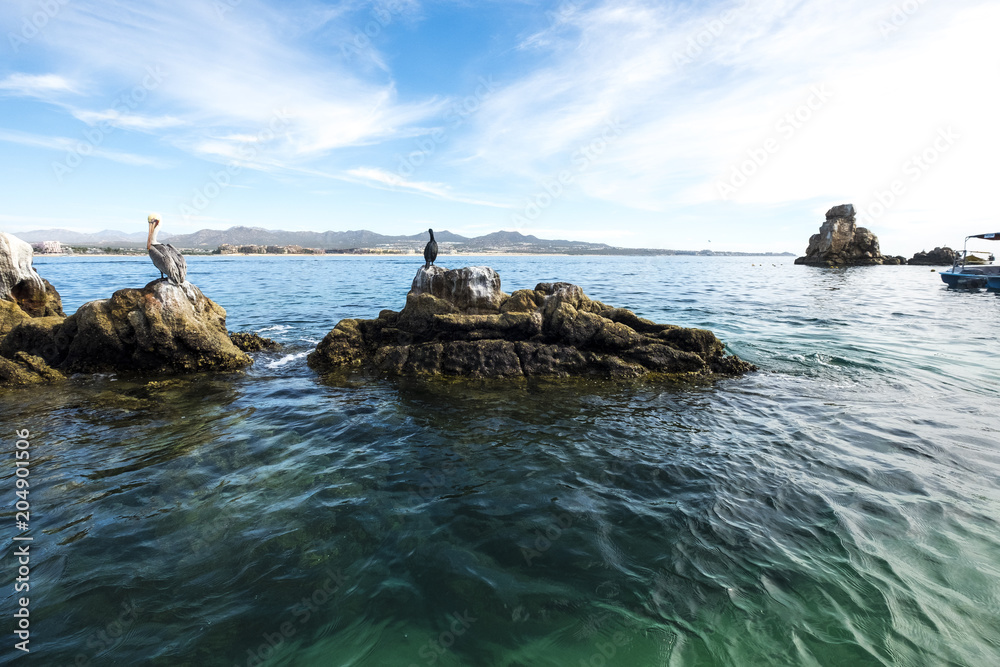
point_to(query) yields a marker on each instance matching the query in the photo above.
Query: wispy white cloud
(393, 181)
(128, 121)
(37, 85)
(66, 144)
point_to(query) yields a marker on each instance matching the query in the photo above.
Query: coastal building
(48, 248)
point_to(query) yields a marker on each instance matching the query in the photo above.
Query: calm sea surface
(839, 507)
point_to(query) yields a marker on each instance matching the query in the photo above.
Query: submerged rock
(937, 257)
(251, 342)
(460, 323)
(841, 242)
(161, 327)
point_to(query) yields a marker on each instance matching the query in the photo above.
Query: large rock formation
(25, 297)
(937, 257)
(20, 284)
(841, 242)
(460, 323)
(160, 328)
(15, 265)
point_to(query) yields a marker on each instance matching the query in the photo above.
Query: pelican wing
(170, 261)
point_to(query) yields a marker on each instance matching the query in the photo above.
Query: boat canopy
(989, 237)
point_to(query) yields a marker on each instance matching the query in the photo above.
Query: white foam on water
(276, 327)
(287, 359)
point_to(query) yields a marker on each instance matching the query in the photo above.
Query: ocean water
(838, 507)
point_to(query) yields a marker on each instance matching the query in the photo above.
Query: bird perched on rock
(166, 258)
(430, 250)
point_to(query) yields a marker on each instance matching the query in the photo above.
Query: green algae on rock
(251, 342)
(24, 369)
(159, 328)
(459, 323)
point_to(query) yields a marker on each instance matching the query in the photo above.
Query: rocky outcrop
(159, 328)
(460, 323)
(24, 369)
(26, 299)
(15, 265)
(841, 242)
(937, 257)
(20, 284)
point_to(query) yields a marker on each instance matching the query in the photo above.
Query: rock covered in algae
(251, 342)
(460, 323)
(161, 327)
(24, 369)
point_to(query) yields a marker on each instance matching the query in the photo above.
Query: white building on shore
(51, 248)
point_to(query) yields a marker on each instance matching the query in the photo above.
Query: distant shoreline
(417, 256)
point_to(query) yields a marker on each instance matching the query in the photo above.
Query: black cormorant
(430, 250)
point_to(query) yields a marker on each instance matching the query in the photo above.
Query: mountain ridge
(209, 239)
(239, 235)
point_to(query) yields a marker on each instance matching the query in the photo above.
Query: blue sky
(725, 125)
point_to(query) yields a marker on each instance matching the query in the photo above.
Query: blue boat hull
(993, 282)
(965, 280)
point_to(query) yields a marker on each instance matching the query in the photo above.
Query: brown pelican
(165, 257)
(430, 250)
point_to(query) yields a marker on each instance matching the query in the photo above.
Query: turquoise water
(839, 507)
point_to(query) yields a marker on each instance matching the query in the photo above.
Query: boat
(974, 276)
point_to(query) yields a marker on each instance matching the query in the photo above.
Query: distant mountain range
(210, 239)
